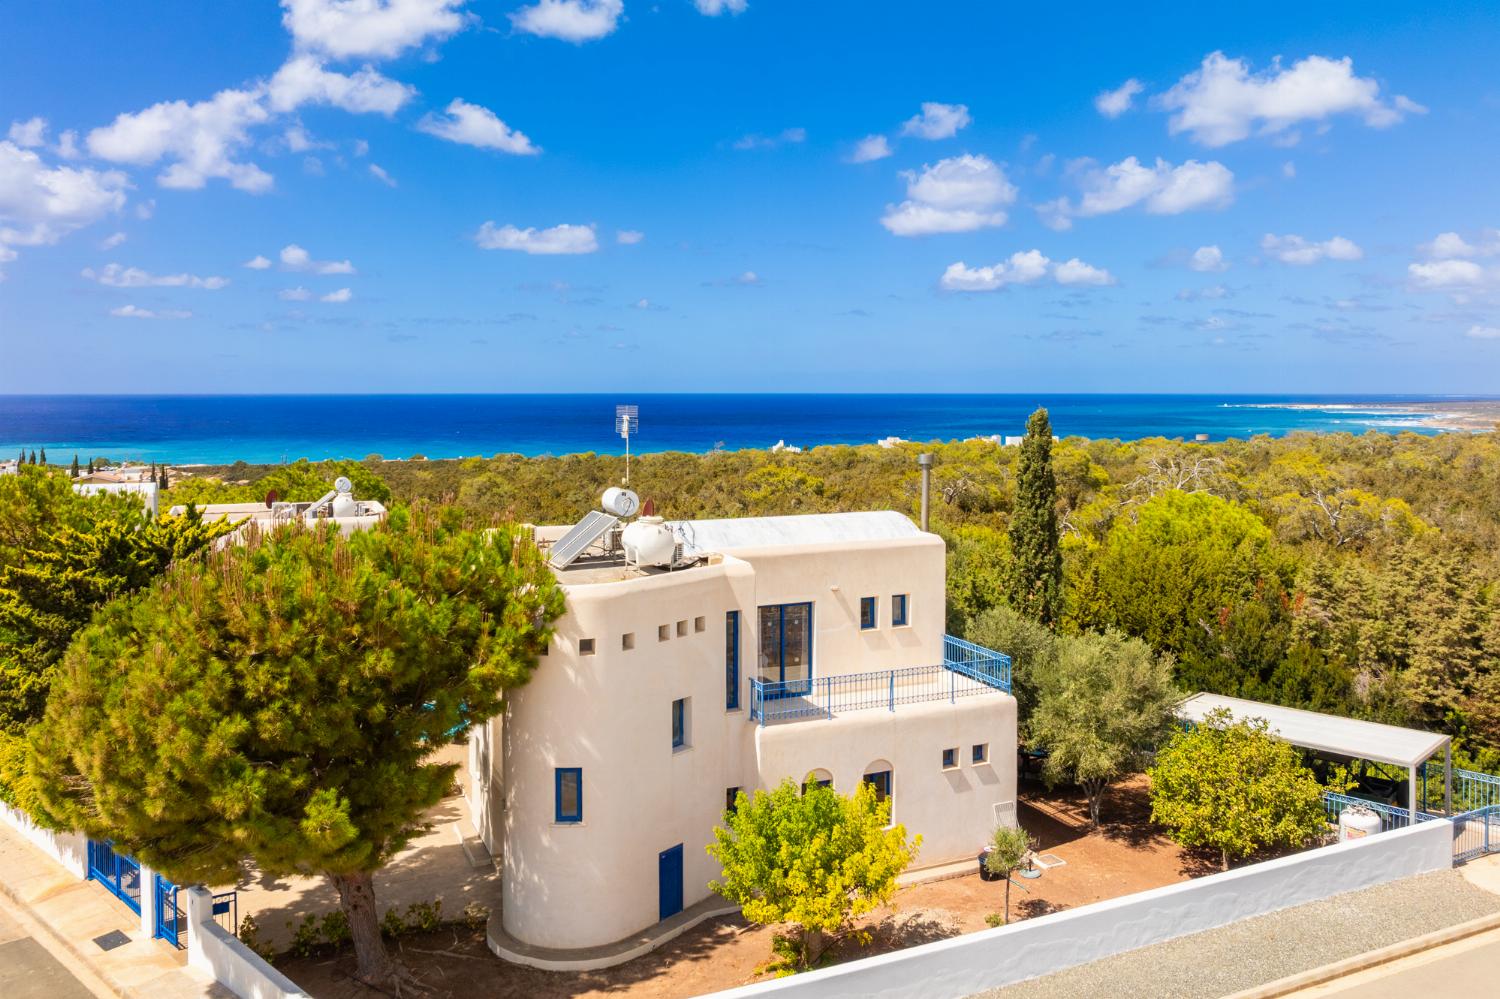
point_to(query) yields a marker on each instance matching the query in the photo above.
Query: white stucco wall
(69, 848)
(962, 966)
(954, 810)
(217, 952)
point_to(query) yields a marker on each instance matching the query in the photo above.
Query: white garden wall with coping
(962, 966)
(69, 849)
(215, 950)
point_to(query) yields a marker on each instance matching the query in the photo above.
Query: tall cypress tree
(44, 456)
(91, 466)
(73, 469)
(33, 456)
(1036, 558)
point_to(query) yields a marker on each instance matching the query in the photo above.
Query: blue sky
(701, 195)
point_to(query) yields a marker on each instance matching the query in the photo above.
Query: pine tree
(44, 456)
(73, 469)
(296, 689)
(91, 466)
(162, 482)
(33, 456)
(1036, 556)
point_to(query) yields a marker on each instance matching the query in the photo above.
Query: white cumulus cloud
(298, 294)
(116, 276)
(1223, 101)
(1208, 259)
(40, 204)
(379, 173)
(202, 139)
(1450, 274)
(1025, 267)
(342, 295)
(1450, 245)
(958, 194)
(629, 237)
(473, 125)
(1113, 103)
(756, 141)
(937, 121)
(559, 239)
(370, 29)
(303, 80)
(28, 134)
(1162, 189)
(1301, 252)
(257, 263)
(295, 258)
(870, 148)
(713, 8)
(574, 21)
(1484, 332)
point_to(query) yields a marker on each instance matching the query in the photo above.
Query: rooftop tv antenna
(627, 422)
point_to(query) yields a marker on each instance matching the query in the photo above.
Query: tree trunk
(1094, 791)
(1224, 859)
(812, 947)
(1007, 898)
(374, 966)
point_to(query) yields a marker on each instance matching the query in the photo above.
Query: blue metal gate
(119, 874)
(170, 919)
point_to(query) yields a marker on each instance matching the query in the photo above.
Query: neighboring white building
(132, 481)
(774, 647)
(337, 506)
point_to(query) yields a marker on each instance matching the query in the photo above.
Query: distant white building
(10, 467)
(700, 658)
(338, 506)
(131, 481)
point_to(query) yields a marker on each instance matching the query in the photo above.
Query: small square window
(950, 759)
(899, 614)
(569, 794)
(700, 624)
(981, 753)
(681, 629)
(627, 641)
(731, 799)
(869, 614)
(585, 646)
(663, 632)
(681, 719)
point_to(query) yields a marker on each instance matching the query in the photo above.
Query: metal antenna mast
(627, 422)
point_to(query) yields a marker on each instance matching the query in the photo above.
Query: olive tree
(281, 701)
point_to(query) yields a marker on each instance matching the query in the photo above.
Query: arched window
(820, 777)
(878, 776)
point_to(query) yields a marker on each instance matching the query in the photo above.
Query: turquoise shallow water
(221, 429)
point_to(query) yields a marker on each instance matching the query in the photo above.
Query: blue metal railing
(226, 912)
(1476, 833)
(967, 669)
(119, 874)
(170, 919)
(1471, 791)
(1391, 816)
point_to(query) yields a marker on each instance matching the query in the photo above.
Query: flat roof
(799, 529)
(1360, 740)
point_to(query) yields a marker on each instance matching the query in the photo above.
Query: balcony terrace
(967, 670)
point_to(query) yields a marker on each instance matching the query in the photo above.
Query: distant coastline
(219, 430)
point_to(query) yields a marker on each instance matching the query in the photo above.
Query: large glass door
(786, 648)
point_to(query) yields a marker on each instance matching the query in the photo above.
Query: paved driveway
(29, 971)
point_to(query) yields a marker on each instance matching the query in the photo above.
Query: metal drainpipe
(924, 461)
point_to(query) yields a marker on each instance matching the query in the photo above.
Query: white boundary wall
(216, 951)
(68, 849)
(962, 966)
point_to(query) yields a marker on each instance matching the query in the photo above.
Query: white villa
(700, 658)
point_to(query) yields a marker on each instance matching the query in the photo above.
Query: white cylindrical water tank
(1357, 822)
(649, 541)
(620, 502)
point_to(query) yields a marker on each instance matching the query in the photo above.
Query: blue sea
(267, 429)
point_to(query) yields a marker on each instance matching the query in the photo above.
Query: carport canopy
(1407, 748)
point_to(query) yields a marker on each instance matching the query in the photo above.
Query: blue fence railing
(171, 920)
(967, 670)
(1476, 833)
(1471, 791)
(1391, 816)
(119, 874)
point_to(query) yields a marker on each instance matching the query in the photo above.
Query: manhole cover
(111, 940)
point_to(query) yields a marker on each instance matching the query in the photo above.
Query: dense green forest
(1354, 574)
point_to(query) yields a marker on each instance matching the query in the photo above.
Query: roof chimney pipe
(924, 461)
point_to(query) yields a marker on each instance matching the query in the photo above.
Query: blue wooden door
(669, 882)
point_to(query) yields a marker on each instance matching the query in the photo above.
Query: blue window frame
(868, 613)
(880, 780)
(732, 660)
(786, 648)
(898, 610)
(679, 723)
(950, 759)
(569, 794)
(981, 752)
(731, 800)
